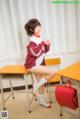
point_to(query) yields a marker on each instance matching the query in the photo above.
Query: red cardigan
(33, 52)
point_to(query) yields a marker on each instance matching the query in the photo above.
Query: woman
(35, 59)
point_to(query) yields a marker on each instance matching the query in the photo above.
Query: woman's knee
(52, 73)
(38, 76)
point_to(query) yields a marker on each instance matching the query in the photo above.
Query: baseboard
(16, 88)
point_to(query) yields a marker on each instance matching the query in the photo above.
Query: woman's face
(37, 30)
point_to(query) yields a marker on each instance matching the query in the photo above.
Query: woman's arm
(47, 48)
(47, 45)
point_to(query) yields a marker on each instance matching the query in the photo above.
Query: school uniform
(36, 50)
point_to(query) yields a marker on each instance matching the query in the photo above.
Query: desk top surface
(73, 72)
(13, 69)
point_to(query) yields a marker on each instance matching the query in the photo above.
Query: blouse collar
(37, 35)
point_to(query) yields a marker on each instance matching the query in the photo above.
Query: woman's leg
(44, 71)
(40, 96)
(46, 74)
(38, 77)
(42, 74)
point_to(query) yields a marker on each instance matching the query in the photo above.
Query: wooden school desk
(20, 69)
(73, 73)
(11, 69)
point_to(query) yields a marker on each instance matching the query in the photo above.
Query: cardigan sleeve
(47, 48)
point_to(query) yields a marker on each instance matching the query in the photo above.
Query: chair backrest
(52, 61)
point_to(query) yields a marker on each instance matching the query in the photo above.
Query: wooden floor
(17, 109)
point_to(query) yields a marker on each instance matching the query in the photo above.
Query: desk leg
(27, 93)
(78, 85)
(33, 83)
(2, 95)
(11, 88)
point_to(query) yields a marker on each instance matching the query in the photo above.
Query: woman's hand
(47, 42)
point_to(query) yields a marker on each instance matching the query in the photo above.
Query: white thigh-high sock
(38, 84)
(42, 101)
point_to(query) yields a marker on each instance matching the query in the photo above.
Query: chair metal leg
(50, 93)
(47, 87)
(61, 114)
(78, 94)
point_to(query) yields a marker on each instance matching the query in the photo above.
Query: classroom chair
(52, 62)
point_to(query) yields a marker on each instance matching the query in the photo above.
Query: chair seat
(56, 78)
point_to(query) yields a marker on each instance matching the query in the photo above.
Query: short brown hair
(30, 26)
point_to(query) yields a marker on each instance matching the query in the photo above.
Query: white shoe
(43, 103)
(47, 105)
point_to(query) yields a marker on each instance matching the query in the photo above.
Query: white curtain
(60, 24)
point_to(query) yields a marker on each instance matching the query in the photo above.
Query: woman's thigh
(41, 70)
